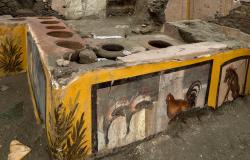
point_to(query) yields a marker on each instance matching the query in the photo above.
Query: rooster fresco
(125, 108)
(176, 106)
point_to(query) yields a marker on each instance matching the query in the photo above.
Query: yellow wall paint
(18, 33)
(247, 90)
(85, 81)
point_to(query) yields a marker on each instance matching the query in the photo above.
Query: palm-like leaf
(67, 141)
(10, 55)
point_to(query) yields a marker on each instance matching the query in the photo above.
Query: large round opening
(60, 34)
(55, 27)
(113, 47)
(159, 44)
(70, 45)
(50, 22)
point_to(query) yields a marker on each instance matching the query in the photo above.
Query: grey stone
(63, 72)
(12, 3)
(156, 10)
(136, 30)
(25, 12)
(6, 17)
(62, 63)
(137, 49)
(3, 88)
(147, 29)
(143, 29)
(87, 56)
(2, 4)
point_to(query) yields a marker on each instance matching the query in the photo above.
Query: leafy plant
(67, 141)
(10, 55)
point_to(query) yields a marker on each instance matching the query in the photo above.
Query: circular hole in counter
(17, 19)
(45, 17)
(110, 51)
(113, 47)
(60, 34)
(55, 27)
(50, 22)
(70, 45)
(159, 44)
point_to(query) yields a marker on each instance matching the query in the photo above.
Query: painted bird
(125, 108)
(176, 106)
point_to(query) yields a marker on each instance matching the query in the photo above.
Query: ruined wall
(75, 9)
(156, 10)
(8, 6)
(199, 9)
(43, 8)
(241, 15)
(27, 8)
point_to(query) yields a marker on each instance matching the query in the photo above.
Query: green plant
(67, 141)
(10, 55)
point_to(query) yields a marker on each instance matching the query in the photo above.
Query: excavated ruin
(238, 18)
(101, 84)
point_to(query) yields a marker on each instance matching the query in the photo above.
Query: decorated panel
(132, 109)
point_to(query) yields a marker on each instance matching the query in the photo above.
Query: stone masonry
(238, 18)
(27, 8)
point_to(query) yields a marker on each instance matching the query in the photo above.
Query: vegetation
(67, 141)
(10, 55)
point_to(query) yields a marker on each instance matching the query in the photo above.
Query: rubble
(62, 62)
(4, 88)
(8, 6)
(238, 18)
(137, 49)
(87, 56)
(27, 8)
(156, 10)
(18, 151)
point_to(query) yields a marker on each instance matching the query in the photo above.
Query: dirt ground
(213, 135)
(17, 120)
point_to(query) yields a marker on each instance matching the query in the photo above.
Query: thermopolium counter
(132, 88)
